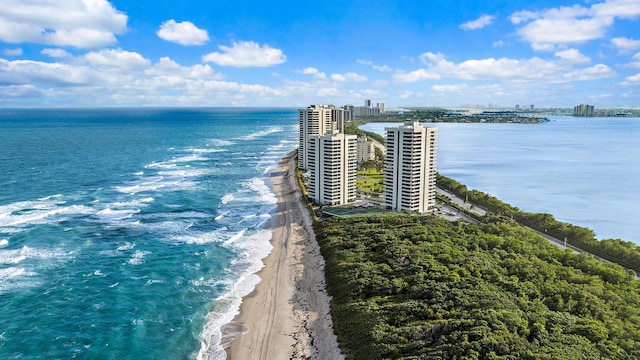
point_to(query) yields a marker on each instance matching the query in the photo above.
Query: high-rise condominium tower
(410, 168)
(331, 165)
(317, 120)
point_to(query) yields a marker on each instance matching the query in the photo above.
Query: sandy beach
(287, 315)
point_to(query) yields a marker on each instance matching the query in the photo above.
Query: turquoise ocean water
(585, 171)
(132, 234)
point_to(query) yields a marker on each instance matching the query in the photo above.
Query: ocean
(132, 233)
(584, 171)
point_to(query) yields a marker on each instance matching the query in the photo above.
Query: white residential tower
(331, 165)
(317, 120)
(410, 168)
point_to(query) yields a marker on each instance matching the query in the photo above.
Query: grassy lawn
(369, 180)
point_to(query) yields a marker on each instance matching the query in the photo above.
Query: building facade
(410, 168)
(331, 167)
(365, 149)
(316, 120)
(583, 110)
(368, 109)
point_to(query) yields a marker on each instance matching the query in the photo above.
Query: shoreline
(287, 315)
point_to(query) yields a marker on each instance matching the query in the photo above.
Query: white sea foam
(138, 257)
(184, 172)
(127, 246)
(4, 243)
(11, 256)
(201, 238)
(221, 142)
(26, 213)
(258, 134)
(235, 237)
(151, 282)
(188, 158)
(169, 227)
(265, 195)
(227, 198)
(47, 198)
(132, 203)
(8, 273)
(32, 259)
(161, 165)
(15, 278)
(207, 151)
(115, 216)
(256, 247)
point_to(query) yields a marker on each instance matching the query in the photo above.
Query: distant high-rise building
(331, 166)
(317, 120)
(583, 110)
(349, 112)
(365, 149)
(532, 107)
(410, 168)
(368, 109)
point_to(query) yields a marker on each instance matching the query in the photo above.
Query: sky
(122, 53)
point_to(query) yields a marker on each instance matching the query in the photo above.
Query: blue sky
(85, 53)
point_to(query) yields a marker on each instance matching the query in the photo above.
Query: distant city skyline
(99, 53)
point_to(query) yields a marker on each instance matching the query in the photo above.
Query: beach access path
(287, 316)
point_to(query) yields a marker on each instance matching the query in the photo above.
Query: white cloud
(355, 77)
(548, 29)
(599, 71)
(349, 76)
(21, 72)
(117, 58)
(573, 56)
(450, 87)
(119, 77)
(635, 63)
(625, 44)
(416, 75)
(479, 23)
(406, 94)
(183, 33)
(13, 52)
(381, 68)
(77, 23)
(563, 69)
(498, 43)
(246, 54)
(617, 8)
(317, 74)
(55, 53)
(633, 80)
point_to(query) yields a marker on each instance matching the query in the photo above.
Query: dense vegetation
(621, 252)
(409, 287)
(352, 129)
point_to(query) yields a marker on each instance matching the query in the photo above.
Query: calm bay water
(584, 171)
(132, 234)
